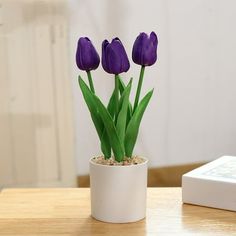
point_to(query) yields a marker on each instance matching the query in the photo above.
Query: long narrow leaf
(95, 104)
(105, 138)
(111, 105)
(129, 114)
(108, 122)
(105, 145)
(133, 126)
(122, 116)
(97, 120)
(91, 106)
(122, 87)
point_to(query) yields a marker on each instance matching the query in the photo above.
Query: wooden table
(67, 212)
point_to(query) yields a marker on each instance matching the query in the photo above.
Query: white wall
(192, 114)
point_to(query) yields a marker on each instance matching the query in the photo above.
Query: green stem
(139, 88)
(90, 81)
(116, 95)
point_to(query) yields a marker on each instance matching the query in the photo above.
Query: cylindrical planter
(118, 193)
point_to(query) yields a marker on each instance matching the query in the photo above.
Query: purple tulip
(87, 57)
(145, 49)
(114, 57)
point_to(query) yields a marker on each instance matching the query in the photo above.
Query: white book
(212, 185)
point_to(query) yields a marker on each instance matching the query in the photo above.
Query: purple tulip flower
(87, 57)
(114, 57)
(145, 49)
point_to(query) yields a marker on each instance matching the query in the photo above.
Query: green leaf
(122, 88)
(111, 105)
(122, 116)
(97, 120)
(105, 145)
(96, 106)
(108, 122)
(122, 85)
(133, 126)
(91, 106)
(129, 114)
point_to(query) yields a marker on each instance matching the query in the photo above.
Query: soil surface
(112, 162)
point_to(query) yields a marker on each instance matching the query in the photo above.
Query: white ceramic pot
(118, 193)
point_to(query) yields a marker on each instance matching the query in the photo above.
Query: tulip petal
(105, 43)
(87, 57)
(113, 60)
(145, 49)
(114, 57)
(138, 48)
(153, 38)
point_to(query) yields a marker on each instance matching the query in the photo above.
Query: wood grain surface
(67, 212)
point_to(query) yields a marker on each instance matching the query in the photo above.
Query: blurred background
(46, 134)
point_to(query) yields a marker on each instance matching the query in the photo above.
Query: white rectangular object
(212, 185)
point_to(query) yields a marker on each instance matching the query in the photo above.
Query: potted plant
(118, 179)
